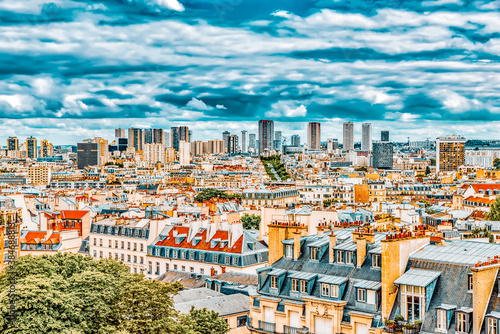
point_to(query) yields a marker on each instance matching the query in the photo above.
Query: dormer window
(469, 282)
(303, 286)
(289, 251)
(463, 322)
(361, 294)
(274, 282)
(295, 285)
(376, 261)
(492, 326)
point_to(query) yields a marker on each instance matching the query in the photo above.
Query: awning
(418, 277)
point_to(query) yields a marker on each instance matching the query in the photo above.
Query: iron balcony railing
(267, 326)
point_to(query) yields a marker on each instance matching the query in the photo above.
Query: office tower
(295, 142)
(383, 155)
(314, 136)
(174, 138)
(154, 153)
(12, 144)
(119, 133)
(158, 137)
(366, 137)
(87, 155)
(266, 135)
(184, 133)
(122, 144)
(135, 138)
(102, 146)
(331, 145)
(46, 149)
(225, 137)
(251, 142)
(190, 138)
(184, 152)
(170, 155)
(277, 141)
(384, 135)
(450, 153)
(166, 139)
(348, 132)
(148, 136)
(244, 141)
(31, 148)
(232, 144)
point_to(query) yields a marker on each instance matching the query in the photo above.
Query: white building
(366, 137)
(184, 152)
(154, 153)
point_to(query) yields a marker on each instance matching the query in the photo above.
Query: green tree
(496, 163)
(250, 221)
(328, 202)
(494, 213)
(433, 162)
(361, 169)
(206, 322)
(208, 194)
(427, 170)
(70, 293)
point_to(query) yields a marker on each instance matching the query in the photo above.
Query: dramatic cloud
(74, 69)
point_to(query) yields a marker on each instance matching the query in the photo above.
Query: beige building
(46, 149)
(39, 175)
(450, 153)
(154, 153)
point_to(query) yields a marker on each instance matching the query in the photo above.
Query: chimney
(320, 231)
(212, 271)
(332, 242)
(223, 270)
(296, 244)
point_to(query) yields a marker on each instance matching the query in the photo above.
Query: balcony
(263, 327)
(268, 327)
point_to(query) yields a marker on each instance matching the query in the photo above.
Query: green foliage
(494, 214)
(280, 169)
(328, 202)
(433, 162)
(309, 166)
(481, 233)
(426, 203)
(427, 170)
(111, 163)
(250, 221)
(361, 169)
(206, 322)
(70, 293)
(208, 194)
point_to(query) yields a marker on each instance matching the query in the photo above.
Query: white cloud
(287, 109)
(198, 104)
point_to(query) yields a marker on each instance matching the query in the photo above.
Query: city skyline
(79, 69)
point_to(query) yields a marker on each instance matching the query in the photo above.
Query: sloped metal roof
(337, 280)
(302, 275)
(370, 285)
(418, 277)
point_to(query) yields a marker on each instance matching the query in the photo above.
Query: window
(183, 255)
(215, 273)
(100, 242)
(235, 261)
(123, 245)
(110, 255)
(128, 258)
(241, 321)
(128, 245)
(110, 244)
(412, 302)
(325, 290)
(95, 252)
(202, 271)
(288, 251)
(274, 282)
(175, 267)
(335, 291)
(150, 267)
(375, 260)
(95, 241)
(295, 285)
(492, 326)
(142, 260)
(441, 320)
(228, 259)
(469, 285)
(200, 257)
(135, 258)
(100, 254)
(462, 322)
(349, 258)
(167, 266)
(123, 257)
(191, 269)
(183, 268)
(361, 295)
(142, 247)
(157, 268)
(340, 256)
(116, 256)
(135, 245)
(174, 254)
(217, 287)
(116, 243)
(303, 286)
(314, 253)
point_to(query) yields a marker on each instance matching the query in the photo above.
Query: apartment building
(8, 213)
(269, 196)
(126, 240)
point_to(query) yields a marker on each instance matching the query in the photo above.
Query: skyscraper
(174, 135)
(244, 141)
(119, 133)
(87, 155)
(46, 149)
(295, 142)
(232, 144)
(384, 135)
(225, 137)
(277, 141)
(450, 153)
(348, 132)
(31, 148)
(366, 137)
(190, 135)
(266, 135)
(184, 133)
(252, 142)
(158, 137)
(148, 136)
(314, 136)
(135, 138)
(12, 144)
(184, 152)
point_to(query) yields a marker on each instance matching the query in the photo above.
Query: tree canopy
(69, 293)
(208, 194)
(494, 213)
(250, 221)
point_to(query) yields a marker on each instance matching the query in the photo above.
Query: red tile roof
(33, 237)
(67, 214)
(479, 200)
(203, 244)
(480, 186)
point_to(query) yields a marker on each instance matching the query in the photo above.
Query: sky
(70, 70)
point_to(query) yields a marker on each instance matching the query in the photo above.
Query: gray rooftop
(418, 277)
(224, 305)
(459, 252)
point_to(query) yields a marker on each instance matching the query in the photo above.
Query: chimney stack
(332, 242)
(296, 244)
(320, 231)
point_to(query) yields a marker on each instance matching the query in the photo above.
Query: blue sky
(76, 69)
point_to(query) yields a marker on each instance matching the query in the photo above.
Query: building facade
(266, 135)
(366, 137)
(314, 136)
(348, 136)
(450, 153)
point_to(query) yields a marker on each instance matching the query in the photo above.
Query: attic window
(314, 253)
(251, 245)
